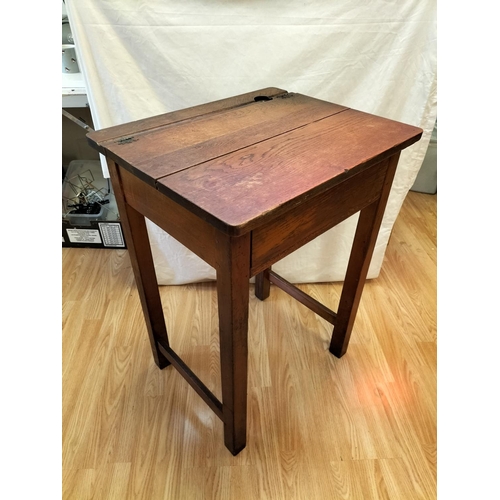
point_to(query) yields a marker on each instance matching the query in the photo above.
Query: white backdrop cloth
(144, 58)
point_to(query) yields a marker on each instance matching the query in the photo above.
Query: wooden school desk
(243, 182)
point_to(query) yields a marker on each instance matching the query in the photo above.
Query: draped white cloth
(144, 58)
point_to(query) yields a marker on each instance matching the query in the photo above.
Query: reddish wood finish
(280, 236)
(192, 379)
(243, 182)
(202, 138)
(244, 189)
(100, 137)
(136, 236)
(365, 238)
(303, 298)
(263, 284)
(233, 274)
(193, 232)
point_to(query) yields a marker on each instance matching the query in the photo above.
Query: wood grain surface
(174, 147)
(254, 156)
(359, 427)
(153, 122)
(264, 179)
(302, 223)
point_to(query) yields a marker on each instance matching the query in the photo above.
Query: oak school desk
(242, 182)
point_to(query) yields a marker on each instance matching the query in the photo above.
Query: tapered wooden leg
(233, 274)
(136, 237)
(262, 284)
(370, 219)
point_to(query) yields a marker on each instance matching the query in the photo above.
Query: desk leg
(262, 284)
(233, 274)
(370, 219)
(137, 239)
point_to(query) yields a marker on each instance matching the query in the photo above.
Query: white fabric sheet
(143, 58)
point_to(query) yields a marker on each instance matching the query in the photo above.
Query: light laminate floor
(360, 427)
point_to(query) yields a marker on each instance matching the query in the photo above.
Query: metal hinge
(126, 140)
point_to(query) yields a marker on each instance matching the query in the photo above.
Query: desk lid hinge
(126, 140)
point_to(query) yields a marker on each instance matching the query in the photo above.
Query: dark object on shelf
(91, 208)
(89, 212)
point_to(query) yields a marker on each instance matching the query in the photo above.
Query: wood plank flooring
(360, 427)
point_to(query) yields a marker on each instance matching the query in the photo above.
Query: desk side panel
(278, 238)
(194, 233)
